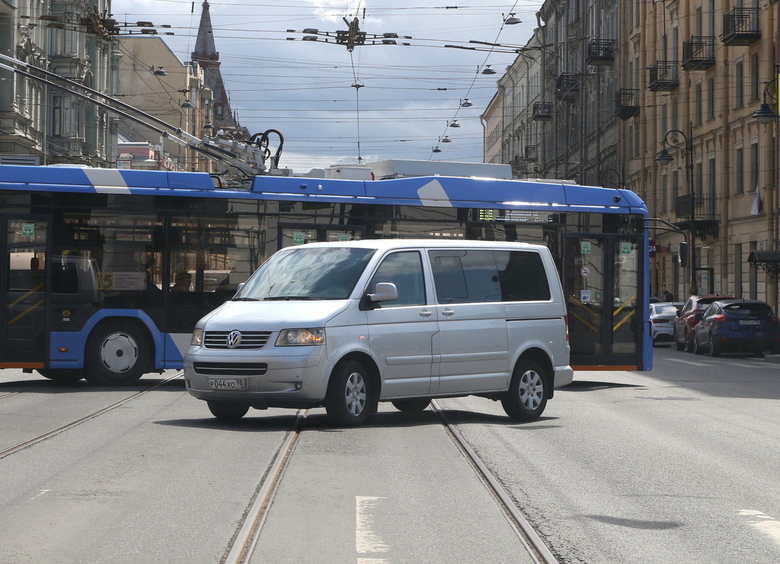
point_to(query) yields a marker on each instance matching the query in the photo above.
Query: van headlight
(293, 337)
(197, 337)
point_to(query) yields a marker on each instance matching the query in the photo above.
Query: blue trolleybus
(105, 272)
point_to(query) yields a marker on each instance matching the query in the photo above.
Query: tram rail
(75, 423)
(241, 548)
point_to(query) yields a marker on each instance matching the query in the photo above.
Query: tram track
(241, 548)
(75, 423)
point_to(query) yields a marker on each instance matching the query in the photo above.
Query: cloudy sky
(304, 89)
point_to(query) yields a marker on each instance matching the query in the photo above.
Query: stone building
(620, 84)
(43, 124)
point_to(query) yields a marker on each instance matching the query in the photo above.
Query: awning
(768, 261)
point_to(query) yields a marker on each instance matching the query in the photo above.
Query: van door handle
(448, 312)
(425, 313)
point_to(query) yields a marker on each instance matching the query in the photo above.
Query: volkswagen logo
(233, 339)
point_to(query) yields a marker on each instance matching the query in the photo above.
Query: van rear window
(489, 276)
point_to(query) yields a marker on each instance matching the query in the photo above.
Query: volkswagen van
(348, 325)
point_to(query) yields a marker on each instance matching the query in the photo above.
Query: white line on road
(39, 494)
(367, 541)
(763, 523)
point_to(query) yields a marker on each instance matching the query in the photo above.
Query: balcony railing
(699, 53)
(567, 86)
(601, 52)
(705, 217)
(664, 76)
(542, 110)
(741, 26)
(626, 103)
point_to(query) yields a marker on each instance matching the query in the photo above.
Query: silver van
(347, 325)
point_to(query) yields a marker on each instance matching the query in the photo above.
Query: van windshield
(307, 274)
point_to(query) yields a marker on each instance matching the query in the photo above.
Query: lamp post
(767, 114)
(672, 139)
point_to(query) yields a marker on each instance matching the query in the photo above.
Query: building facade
(659, 97)
(44, 124)
(154, 80)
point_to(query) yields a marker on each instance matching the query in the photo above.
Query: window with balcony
(741, 26)
(601, 52)
(699, 53)
(664, 76)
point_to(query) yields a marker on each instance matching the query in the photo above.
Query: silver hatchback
(662, 317)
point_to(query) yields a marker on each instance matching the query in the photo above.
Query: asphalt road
(680, 464)
(676, 465)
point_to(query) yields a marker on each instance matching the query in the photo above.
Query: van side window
(465, 276)
(522, 276)
(405, 271)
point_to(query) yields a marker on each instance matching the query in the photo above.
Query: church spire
(206, 55)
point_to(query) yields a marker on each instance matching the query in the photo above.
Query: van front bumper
(288, 379)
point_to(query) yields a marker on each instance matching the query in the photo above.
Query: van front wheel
(349, 391)
(527, 395)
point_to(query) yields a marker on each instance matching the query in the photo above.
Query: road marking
(39, 494)
(765, 524)
(692, 363)
(367, 541)
(740, 364)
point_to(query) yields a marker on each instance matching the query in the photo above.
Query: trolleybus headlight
(293, 337)
(197, 337)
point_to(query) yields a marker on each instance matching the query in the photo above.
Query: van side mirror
(385, 292)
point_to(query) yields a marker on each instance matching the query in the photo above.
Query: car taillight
(773, 318)
(566, 324)
(720, 318)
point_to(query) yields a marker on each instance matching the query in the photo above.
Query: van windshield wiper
(244, 300)
(289, 298)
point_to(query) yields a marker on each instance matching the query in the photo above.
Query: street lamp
(617, 182)
(672, 139)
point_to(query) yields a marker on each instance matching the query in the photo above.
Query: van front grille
(230, 368)
(241, 340)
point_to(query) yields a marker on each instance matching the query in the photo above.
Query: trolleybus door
(602, 275)
(23, 292)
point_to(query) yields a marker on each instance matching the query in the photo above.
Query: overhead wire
(437, 148)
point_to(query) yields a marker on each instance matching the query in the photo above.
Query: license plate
(227, 384)
(750, 322)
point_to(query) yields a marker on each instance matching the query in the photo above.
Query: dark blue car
(737, 326)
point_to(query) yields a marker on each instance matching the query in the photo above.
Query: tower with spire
(206, 55)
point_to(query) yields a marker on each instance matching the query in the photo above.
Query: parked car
(737, 326)
(689, 316)
(662, 316)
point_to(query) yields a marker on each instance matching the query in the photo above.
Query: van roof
(383, 244)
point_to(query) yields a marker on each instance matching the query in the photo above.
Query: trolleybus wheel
(118, 353)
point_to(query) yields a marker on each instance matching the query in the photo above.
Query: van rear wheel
(349, 392)
(412, 405)
(527, 395)
(227, 410)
